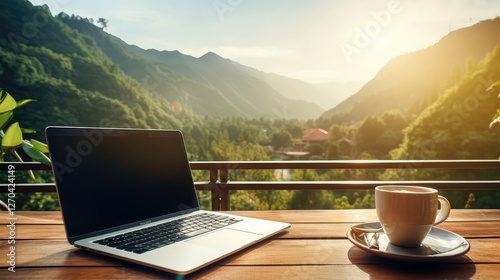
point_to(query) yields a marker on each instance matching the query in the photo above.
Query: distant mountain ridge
(413, 81)
(326, 95)
(211, 85)
(103, 67)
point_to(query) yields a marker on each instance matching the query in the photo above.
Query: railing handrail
(347, 164)
(219, 184)
(310, 164)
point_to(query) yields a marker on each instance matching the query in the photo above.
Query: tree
(337, 131)
(494, 88)
(333, 151)
(295, 128)
(316, 149)
(103, 22)
(394, 120)
(368, 133)
(281, 139)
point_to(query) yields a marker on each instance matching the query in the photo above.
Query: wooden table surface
(315, 247)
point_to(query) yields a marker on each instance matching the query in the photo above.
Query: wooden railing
(219, 183)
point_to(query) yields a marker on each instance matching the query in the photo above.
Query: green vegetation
(12, 138)
(15, 147)
(414, 81)
(80, 75)
(494, 88)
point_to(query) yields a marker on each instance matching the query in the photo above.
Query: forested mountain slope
(413, 81)
(456, 125)
(210, 85)
(81, 75)
(73, 81)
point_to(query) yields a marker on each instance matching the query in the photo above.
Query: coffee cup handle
(444, 212)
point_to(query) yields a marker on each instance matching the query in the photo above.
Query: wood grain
(396, 272)
(315, 247)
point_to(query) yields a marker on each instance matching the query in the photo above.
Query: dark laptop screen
(111, 177)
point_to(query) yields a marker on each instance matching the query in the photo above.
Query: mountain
(81, 75)
(456, 125)
(325, 95)
(412, 82)
(210, 85)
(70, 77)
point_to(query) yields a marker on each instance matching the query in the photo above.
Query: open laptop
(129, 193)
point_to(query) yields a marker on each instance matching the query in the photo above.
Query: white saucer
(439, 245)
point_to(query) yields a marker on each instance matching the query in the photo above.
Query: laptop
(129, 194)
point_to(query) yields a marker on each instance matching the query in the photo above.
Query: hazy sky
(311, 40)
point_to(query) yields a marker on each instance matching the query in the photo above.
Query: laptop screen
(111, 177)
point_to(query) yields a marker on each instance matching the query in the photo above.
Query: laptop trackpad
(226, 239)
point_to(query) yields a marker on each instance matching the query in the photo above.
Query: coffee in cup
(407, 213)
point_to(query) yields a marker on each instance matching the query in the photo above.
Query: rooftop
(315, 134)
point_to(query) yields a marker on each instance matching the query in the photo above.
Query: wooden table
(315, 247)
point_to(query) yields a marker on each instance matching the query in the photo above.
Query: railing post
(223, 192)
(215, 192)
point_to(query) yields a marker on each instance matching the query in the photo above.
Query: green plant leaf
(8, 103)
(34, 153)
(24, 102)
(497, 114)
(42, 147)
(5, 118)
(13, 137)
(28, 130)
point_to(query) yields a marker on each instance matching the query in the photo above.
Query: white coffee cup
(407, 213)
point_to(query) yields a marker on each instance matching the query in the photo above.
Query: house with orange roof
(315, 135)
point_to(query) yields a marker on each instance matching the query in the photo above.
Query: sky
(317, 41)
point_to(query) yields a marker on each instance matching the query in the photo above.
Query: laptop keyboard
(150, 238)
